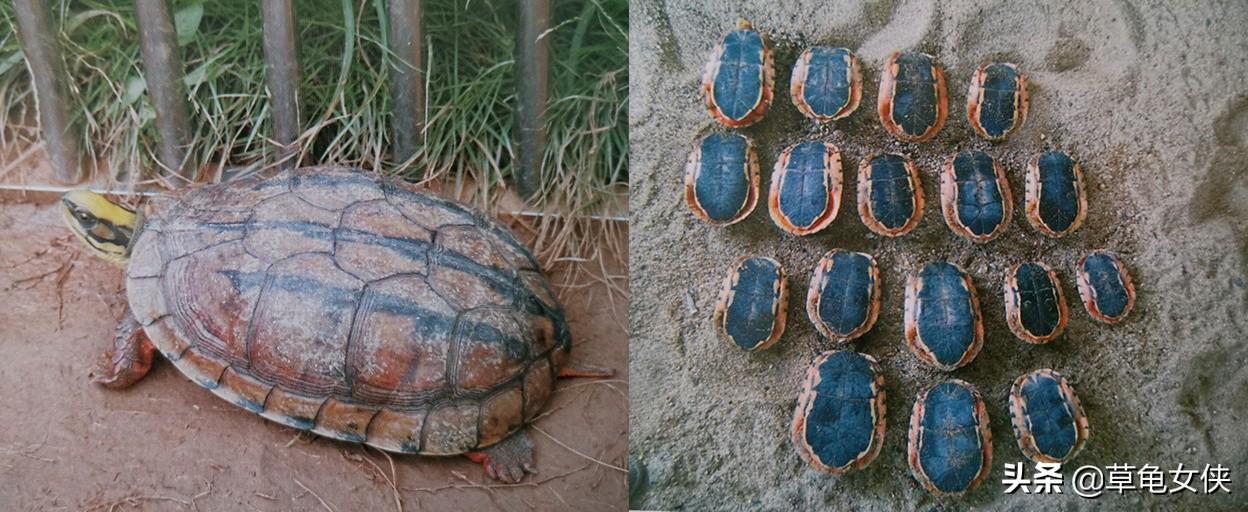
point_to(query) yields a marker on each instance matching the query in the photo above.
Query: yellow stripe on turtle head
(106, 227)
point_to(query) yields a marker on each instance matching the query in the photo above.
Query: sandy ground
(167, 444)
(1152, 98)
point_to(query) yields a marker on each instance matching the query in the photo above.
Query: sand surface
(168, 444)
(1151, 98)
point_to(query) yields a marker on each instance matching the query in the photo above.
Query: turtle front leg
(130, 358)
(508, 460)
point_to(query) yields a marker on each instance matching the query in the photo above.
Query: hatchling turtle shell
(336, 301)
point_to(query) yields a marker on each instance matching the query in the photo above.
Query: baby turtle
(996, 103)
(1035, 306)
(1048, 421)
(339, 302)
(844, 296)
(976, 199)
(826, 84)
(1105, 287)
(838, 425)
(806, 187)
(721, 178)
(737, 84)
(942, 320)
(950, 450)
(890, 195)
(752, 304)
(912, 102)
(1056, 203)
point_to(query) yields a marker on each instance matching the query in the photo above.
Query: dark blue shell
(828, 89)
(1034, 304)
(912, 99)
(950, 448)
(844, 296)
(839, 422)
(975, 195)
(943, 325)
(1055, 201)
(751, 309)
(890, 195)
(997, 102)
(721, 179)
(805, 191)
(1048, 421)
(1105, 287)
(739, 83)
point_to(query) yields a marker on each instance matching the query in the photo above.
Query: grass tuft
(344, 95)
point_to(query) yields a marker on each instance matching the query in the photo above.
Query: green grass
(344, 96)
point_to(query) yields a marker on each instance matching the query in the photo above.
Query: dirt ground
(1151, 98)
(167, 444)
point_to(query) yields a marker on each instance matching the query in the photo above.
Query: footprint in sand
(1214, 397)
(1042, 38)
(1216, 380)
(1222, 193)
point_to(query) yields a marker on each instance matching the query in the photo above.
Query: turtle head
(105, 226)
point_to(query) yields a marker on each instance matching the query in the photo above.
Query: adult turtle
(340, 302)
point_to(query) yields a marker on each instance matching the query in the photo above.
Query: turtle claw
(503, 470)
(506, 473)
(509, 460)
(103, 375)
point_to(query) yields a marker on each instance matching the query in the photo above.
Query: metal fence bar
(282, 66)
(532, 77)
(408, 86)
(162, 66)
(43, 55)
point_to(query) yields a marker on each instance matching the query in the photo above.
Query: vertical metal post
(408, 87)
(43, 55)
(532, 76)
(282, 63)
(162, 67)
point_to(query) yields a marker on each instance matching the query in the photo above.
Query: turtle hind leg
(130, 358)
(508, 460)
